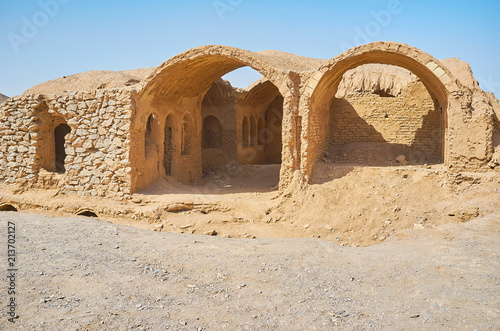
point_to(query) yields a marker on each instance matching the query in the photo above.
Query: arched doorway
(211, 134)
(151, 136)
(51, 139)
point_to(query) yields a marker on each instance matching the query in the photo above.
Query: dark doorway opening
(87, 213)
(59, 137)
(7, 207)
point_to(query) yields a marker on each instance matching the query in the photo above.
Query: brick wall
(410, 119)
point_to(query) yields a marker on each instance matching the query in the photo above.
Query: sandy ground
(86, 274)
(351, 205)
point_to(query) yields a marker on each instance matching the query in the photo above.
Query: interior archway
(264, 102)
(211, 133)
(151, 136)
(245, 132)
(219, 137)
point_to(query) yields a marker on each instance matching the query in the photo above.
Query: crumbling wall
(97, 156)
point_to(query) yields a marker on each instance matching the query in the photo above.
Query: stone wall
(96, 148)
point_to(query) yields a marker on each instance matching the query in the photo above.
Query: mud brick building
(183, 119)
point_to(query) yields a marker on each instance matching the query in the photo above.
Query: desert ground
(80, 273)
(385, 248)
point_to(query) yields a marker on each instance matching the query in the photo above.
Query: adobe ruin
(183, 120)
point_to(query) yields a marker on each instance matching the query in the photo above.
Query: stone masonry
(97, 161)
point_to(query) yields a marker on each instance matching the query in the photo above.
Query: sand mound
(365, 205)
(3, 97)
(92, 80)
(386, 80)
(284, 60)
(389, 80)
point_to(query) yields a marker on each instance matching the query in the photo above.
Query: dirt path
(81, 273)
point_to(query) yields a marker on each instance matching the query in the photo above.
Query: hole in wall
(86, 213)
(7, 207)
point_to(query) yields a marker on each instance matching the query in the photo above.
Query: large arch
(178, 87)
(322, 87)
(195, 70)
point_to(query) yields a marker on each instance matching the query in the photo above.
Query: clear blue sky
(119, 35)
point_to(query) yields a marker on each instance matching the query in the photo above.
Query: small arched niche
(245, 132)
(211, 133)
(151, 136)
(186, 136)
